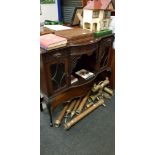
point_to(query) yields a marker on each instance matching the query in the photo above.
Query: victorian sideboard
(57, 66)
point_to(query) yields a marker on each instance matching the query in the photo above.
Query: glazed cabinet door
(56, 71)
(104, 52)
(57, 74)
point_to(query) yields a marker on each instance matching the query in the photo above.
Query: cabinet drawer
(84, 49)
(55, 55)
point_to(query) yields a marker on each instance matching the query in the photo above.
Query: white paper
(57, 27)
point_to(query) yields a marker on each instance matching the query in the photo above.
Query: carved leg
(50, 113)
(41, 106)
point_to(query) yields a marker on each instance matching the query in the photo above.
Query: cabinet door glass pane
(58, 75)
(104, 59)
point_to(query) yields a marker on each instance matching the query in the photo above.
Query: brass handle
(57, 55)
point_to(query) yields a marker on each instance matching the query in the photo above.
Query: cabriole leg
(50, 114)
(41, 105)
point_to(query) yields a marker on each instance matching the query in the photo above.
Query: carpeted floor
(94, 135)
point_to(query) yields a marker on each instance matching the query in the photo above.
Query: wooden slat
(68, 7)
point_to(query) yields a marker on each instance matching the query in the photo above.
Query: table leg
(50, 114)
(41, 105)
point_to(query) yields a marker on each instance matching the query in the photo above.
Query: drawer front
(84, 49)
(55, 55)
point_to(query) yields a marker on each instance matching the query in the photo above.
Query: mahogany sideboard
(57, 66)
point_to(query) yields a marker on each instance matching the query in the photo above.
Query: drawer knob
(57, 55)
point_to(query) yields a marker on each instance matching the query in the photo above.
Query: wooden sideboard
(57, 66)
(112, 66)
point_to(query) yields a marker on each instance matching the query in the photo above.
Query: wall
(49, 12)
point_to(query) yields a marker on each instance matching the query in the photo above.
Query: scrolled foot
(51, 124)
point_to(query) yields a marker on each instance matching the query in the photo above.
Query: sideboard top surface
(94, 40)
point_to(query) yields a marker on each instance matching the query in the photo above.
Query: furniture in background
(68, 10)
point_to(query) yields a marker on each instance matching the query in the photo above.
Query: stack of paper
(57, 27)
(85, 74)
(73, 79)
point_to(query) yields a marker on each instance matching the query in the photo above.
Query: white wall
(49, 12)
(87, 15)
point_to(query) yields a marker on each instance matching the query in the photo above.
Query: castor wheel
(51, 124)
(41, 107)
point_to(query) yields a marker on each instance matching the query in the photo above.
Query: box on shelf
(73, 79)
(85, 74)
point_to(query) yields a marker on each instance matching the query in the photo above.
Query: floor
(93, 135)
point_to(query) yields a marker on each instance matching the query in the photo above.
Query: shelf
(81, 81)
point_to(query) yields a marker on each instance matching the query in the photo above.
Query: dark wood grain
(73, 57)
(112, 65)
